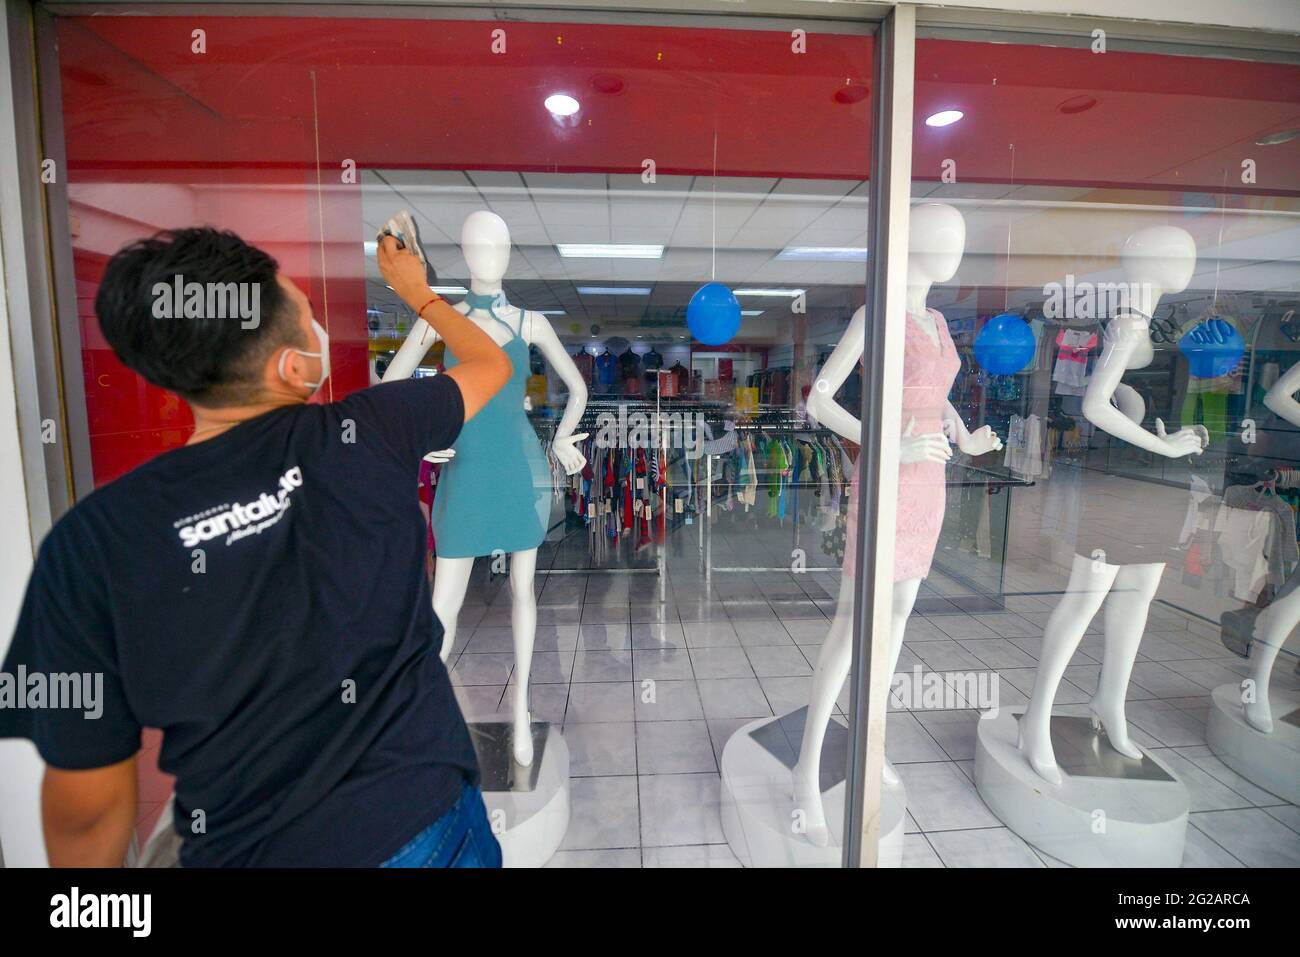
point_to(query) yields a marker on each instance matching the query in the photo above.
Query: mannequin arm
(542, 335)
(1122, 337)
(978, 442)
(565, 444)
(416, 346)
(1131, 403)
(1280, 399)
(821, 400)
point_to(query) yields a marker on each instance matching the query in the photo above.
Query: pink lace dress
(928, 374)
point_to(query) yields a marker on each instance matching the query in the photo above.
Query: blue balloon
(1005, 345)
(713, 314)
(1213, 348)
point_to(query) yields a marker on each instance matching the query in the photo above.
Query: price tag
(640, 484)
(591, 509)
(678, 505)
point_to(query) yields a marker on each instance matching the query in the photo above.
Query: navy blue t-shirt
(261, 598)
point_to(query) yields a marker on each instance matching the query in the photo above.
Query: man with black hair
(257, 594)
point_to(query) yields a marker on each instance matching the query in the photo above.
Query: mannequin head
(485, 242)
(936, 241)
(1161, 258)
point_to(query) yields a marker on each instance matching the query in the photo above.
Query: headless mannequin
(1277, 623)
(1157, 260)
(937, 239)
(485, 242)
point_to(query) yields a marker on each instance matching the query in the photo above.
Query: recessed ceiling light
(944, 118)
(561, 104)
(613, 290)
(1275, 139)
(783, 293)
(610, 250)
(825, 253)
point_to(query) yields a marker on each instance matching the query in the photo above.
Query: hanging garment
(1071, 369)
(496, 493)
(1244, 542)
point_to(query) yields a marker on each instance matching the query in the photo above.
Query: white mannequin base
(531, 816)
(1270, 761)
(757, 800)
(1113, 815)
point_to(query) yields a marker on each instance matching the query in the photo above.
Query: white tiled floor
(645, 781)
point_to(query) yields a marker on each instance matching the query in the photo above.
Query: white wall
(20, 767)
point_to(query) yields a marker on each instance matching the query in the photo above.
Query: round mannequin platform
(758, 798)
(1111, 810)
(1270, 761)
(528, 807)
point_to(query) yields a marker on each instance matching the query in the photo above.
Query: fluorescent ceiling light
(448, 290)
(944, 118)
(752, 312)
(371, 246)
(613, 290)
(561, 104)
(782, 293)
(610, 250)
(825, 253)
(552, 312)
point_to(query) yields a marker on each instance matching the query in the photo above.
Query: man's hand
(89, 815)
(403, 270)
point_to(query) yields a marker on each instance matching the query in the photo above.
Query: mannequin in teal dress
(494, 493)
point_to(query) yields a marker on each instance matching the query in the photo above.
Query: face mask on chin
(323, 356)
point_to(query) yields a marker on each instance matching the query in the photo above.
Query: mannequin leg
(828, 678)
(1127, 606)
(450, 580)
(523, 620)
(1089, 583)
(904, 599)
(1274, 626)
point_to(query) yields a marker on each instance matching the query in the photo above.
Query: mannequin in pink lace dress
(937, 238)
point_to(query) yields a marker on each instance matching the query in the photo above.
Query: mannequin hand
(929, 447)
(403, 270)
(982, 440)
(566, 450)
(440, 456)
(1186, 441)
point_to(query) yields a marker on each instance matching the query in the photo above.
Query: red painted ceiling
(394, 93)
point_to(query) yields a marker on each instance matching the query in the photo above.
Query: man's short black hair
(201, 345)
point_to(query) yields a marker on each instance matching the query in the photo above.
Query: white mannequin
(485, 242)
(936, 242)
(1276, 624)
(1156, 260)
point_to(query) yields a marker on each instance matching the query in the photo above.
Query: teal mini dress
(496, 493)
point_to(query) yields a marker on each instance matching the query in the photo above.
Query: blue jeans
(460, 838)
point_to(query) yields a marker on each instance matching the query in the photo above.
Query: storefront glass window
(666, 228)
(1103, 273)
